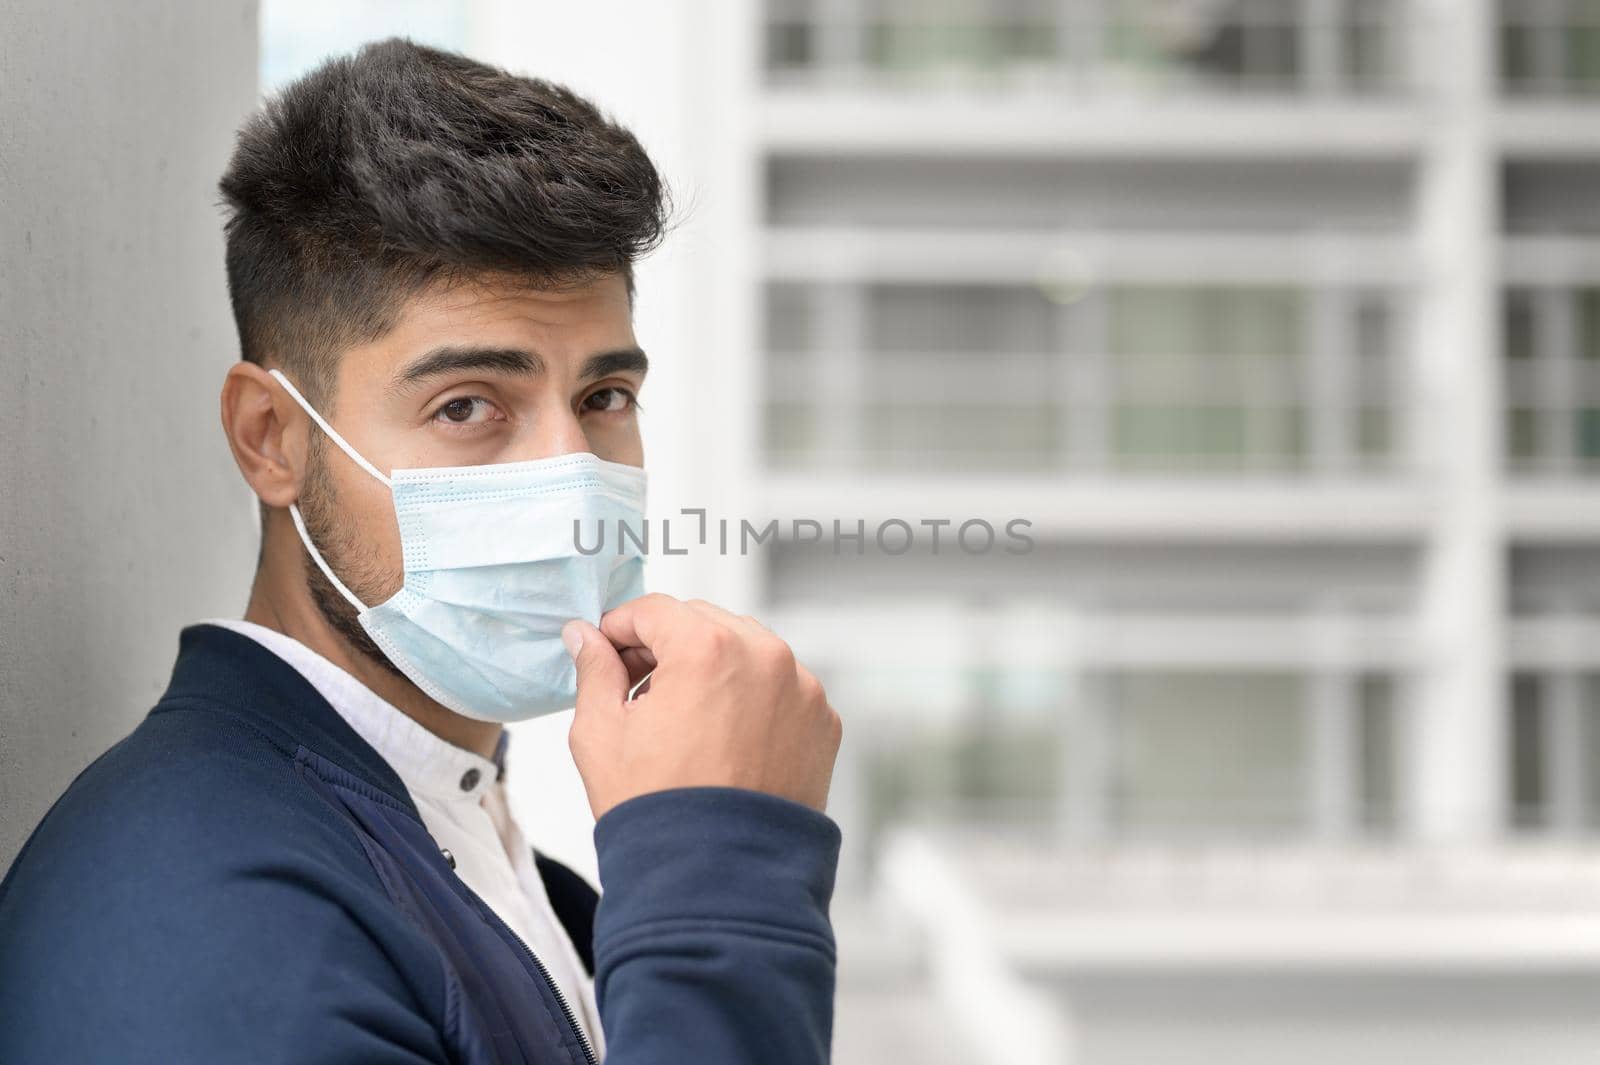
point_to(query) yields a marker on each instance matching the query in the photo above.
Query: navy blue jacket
(243, 879)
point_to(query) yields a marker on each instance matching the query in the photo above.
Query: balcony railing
(901, 376)
(1233, 47)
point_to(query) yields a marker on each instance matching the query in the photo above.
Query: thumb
(595, 737)
(602, 678)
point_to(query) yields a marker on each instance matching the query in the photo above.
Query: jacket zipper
(561, 1000)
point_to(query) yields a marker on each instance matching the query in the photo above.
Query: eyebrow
(455, 359)
(621, 360)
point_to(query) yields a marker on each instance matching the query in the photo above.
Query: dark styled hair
(401, 166)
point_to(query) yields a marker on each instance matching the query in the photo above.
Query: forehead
(564, 324)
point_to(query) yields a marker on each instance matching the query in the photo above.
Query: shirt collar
(426, 764)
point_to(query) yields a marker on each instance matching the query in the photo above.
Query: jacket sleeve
(712, 938)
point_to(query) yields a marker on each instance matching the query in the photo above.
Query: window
(1208, 753)
(1207, 378)
(1550, 49)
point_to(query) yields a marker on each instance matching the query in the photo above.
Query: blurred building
(1279, 322)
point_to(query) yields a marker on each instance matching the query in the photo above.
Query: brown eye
(609, 399)
(464, 410)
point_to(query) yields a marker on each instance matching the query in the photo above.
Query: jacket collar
(230, 672)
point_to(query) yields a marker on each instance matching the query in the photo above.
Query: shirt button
(451, 858)
(469, 779)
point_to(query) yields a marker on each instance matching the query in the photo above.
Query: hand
(727, 705)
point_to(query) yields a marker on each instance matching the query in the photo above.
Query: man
(304, 852)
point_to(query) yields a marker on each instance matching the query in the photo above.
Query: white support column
(1085, 813)
(1333, 753)
(725, 87)
(1455, 778)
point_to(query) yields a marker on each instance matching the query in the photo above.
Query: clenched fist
(726, 705)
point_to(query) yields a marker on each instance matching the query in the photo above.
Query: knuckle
(811, 687)
(714, 640)
(777, 656)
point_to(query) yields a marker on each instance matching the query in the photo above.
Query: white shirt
(463, 805)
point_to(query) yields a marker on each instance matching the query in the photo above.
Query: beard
(349, 558)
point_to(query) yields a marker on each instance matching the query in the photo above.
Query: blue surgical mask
(493, 570)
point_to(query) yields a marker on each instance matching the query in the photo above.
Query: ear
(266, 432)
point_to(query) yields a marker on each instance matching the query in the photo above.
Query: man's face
(475, 373)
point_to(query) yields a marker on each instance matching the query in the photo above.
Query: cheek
(367, 525)
(617, 442)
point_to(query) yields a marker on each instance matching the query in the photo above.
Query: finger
(602, 679)
(739, 623)
(639, 661)
(650, 621)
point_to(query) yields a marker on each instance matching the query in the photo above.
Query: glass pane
(1522, 433)
(1373, 431)
(1219, 431)
(957, 436)
(1519, 340)
(1374, 328)
(1588, 432)
(1366, 47)
(1582, 43)
(1378, 733)
(789, 324)
(790, 429)
(967, 319)
(1517, 64)
(1279, 436)
(1153, 321)
(1269, 323)
(1588, 323)
(972, 771)
(1272, 55)
(1201, 752)
(1144, 432)
(1591, 748)
(1187, 321)
(1528, 792)
(964, 39)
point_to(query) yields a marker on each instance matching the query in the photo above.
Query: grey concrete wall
(122, 516)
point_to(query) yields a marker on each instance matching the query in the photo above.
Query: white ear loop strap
(316, 556)
(355, 456)
(294, 510)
